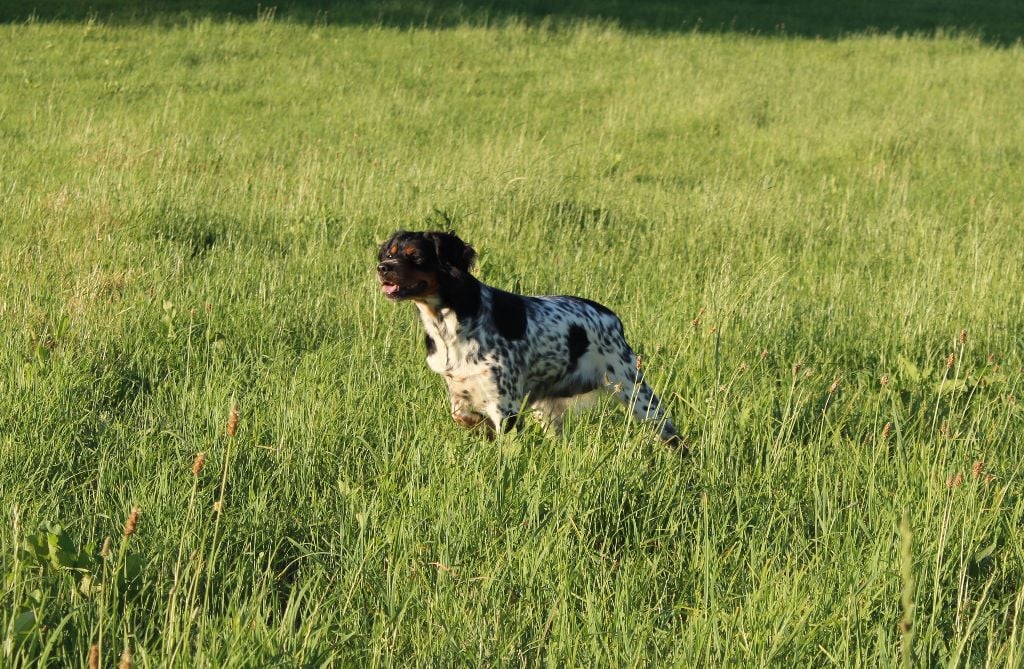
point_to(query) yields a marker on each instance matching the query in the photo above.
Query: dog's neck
(452, 309)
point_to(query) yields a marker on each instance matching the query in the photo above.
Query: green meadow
(815, 243)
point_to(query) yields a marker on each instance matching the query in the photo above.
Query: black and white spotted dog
(497, 350)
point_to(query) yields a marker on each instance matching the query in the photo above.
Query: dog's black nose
(382, 268)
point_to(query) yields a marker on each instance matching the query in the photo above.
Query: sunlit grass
(814, 245)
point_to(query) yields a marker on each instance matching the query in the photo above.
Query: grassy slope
(189, 217)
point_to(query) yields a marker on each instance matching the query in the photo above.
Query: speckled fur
(501, 353)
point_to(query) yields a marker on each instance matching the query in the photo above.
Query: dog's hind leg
(627, 384)
(551, 413)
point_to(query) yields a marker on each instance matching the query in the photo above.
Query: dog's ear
(452, 251)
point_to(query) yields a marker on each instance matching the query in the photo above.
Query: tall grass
(815, 246)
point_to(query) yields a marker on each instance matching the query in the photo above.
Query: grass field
(815, 244)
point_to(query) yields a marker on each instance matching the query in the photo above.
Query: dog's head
(418, 265)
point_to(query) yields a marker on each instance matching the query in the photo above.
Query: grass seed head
(955, 480)
(197, 464)
(834, 387)
(743, 367)
(950, 360)
(963, 337)
(884, 380)
(233, 420)
(132, 522)
(764, 353)
(105, 550)
(977, 469)
(886, 431)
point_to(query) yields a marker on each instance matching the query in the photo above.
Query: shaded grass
(998, 22)
(190, 217)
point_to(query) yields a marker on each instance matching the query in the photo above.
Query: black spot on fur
(509, 312)
(578, 344)
(431, 346)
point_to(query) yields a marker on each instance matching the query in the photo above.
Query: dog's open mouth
(394, 291)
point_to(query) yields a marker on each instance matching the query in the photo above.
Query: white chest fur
(452, 355)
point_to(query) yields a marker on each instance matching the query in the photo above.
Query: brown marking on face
(409, 250)
(394, 249)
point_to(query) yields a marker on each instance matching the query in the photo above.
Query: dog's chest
(449, 353)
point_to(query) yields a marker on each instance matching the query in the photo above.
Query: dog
(501, 353)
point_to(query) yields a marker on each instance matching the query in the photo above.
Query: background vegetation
(814, 243)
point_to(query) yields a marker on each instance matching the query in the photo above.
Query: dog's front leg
(504, 416)
(462, 412)
(503, 402)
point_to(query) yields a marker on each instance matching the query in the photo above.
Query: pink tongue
(389, 288)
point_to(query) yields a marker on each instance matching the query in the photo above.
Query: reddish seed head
(885, 380)
(950, 360)
(834, 387)
(963, 337)
(197, 464)
(132, 522)
(955, 481)
(233, 420)
(977, 469)
(886, 431)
